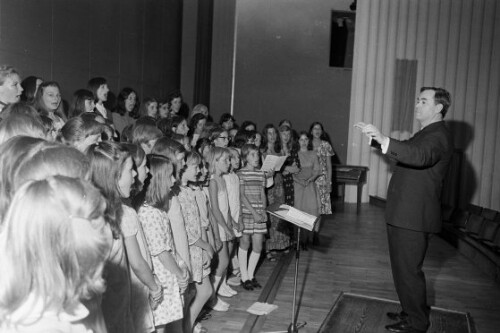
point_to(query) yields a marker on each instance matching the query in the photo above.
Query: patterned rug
(358, 313)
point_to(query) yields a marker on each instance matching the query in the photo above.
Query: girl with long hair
(171, 270)
(52, 256)
(111, 172)
(48, 102)
(126, 110)
(196, 126)
(149, 108)
(83, 101)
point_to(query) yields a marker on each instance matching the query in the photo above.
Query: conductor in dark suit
(413, 208)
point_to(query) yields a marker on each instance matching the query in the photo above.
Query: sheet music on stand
(294, 215)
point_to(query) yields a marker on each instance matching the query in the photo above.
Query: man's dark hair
(441, 96)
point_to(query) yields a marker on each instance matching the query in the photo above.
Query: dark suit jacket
(414, 193)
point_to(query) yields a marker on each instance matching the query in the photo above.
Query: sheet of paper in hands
(295, 216)
(272, 162)
(261, 309)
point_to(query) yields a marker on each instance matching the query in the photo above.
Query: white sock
(252, 264)
(216, 282)
(235, 263)
(243, 260)
(224, 283)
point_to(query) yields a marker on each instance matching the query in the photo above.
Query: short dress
(210, 230)
(159, 238)
(233, 193)
(191, 214)
(223, 200)
(179, 232)
(202, 201)
(251, 184)
(141, 310)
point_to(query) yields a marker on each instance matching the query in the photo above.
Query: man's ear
(439, 107)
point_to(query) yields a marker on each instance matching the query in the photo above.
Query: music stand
(308, 222)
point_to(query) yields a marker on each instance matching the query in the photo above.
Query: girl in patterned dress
(201, 252)
(254, 217)
(218, 161)
(170, 270)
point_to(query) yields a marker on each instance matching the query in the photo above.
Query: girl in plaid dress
(254, 217)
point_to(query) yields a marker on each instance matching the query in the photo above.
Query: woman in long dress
(306, 194)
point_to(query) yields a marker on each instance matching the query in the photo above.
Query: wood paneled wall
(132, 43)
(457, 46)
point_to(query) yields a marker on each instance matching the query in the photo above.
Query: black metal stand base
(294, 326)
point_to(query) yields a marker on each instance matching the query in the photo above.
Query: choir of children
(131, 220)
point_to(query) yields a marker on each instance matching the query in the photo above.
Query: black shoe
(399, 316)
(256, 284)
(248, 285)
(403, 327)
(204, 315)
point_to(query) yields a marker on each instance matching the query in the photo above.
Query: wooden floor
(353, 257)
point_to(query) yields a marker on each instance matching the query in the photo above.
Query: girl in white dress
(233, 190)
(218, 160)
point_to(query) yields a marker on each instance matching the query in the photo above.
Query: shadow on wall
(461, 182)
